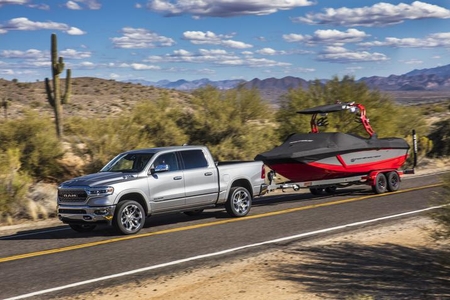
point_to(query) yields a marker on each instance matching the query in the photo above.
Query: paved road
(46, 258)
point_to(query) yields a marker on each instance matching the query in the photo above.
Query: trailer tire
(83, 227)
(393, 181)
(239, 202)
(380, 184)
(331, 190)
(129, 217)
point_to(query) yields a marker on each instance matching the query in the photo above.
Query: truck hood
(100, 179)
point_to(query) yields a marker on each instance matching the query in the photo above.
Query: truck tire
(129, 217)
(83, 227)
(239, 202)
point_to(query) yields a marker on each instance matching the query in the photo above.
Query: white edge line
(193, 258)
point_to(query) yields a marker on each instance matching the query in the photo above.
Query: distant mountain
(184, 85)
(433, 79)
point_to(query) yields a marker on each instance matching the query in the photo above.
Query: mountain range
(435, 80)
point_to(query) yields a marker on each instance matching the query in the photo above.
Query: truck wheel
(129, 217)
(393, 181)
(380, 184)
(239, 202)
(83, 227)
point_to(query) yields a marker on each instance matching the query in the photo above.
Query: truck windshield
(128, 163)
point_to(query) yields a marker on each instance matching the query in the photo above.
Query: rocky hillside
(90, 97)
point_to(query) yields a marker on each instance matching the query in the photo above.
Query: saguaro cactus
(54, 95)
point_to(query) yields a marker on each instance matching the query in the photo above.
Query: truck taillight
(263, 172)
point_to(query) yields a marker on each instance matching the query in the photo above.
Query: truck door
(201, 179)
(166, 183)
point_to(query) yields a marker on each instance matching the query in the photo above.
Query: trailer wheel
(129, 217)
(83, 227)
(239, 202)
(393, 181)
(330, 189)
(380, 184)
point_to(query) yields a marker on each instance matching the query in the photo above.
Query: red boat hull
(339, 166)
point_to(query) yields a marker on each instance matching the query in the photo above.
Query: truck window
(168, 159)
(194, 159)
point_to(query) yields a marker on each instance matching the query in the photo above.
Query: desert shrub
(14, 183)
(440, 135)
(40, 149)
(234, 124)
(148, 124)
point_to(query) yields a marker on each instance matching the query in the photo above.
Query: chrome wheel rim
(241, 201)
(131, 218)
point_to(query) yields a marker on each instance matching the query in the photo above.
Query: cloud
(223, 8)
(342, 55)
(140, 38)
(27, 25)
(433, 40)
(215, 57)
(73, 5)
(29, 54)
(329, 36)
(200, 37)
(74, 54)
(79, 4)
(380, 14)
(140, 67)
(16, 2)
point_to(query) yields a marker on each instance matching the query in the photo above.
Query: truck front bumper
(85, 214)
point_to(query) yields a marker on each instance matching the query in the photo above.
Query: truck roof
(159, 149)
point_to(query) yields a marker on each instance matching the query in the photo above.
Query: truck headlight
(100, 191)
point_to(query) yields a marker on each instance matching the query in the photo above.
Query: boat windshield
(128, 162)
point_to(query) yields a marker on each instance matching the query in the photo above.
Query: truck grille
(72, 195)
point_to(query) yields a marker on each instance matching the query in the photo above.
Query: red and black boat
(317, 156)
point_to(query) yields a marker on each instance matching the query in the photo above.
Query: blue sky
(226, 39)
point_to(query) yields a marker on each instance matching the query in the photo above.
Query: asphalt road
(56, 257)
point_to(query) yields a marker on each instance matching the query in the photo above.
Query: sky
(157, 40)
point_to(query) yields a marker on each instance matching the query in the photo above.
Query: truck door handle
(177, 178)
(208, 174)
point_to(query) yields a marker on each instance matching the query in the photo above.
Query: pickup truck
(139, 183)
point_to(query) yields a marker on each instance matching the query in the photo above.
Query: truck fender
(136, 195)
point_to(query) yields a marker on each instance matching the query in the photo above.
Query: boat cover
(307, 147)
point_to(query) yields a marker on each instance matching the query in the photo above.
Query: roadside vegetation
(235, 124)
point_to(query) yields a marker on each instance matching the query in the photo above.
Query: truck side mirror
(159, 168)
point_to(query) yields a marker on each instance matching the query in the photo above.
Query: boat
(316, 156)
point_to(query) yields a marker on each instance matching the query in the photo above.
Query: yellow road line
(130, 237)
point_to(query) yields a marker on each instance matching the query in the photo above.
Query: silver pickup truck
(139, 183)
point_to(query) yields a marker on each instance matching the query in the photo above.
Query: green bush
(40, 150)
(234, 124)
(14, 183)
(440, 136)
